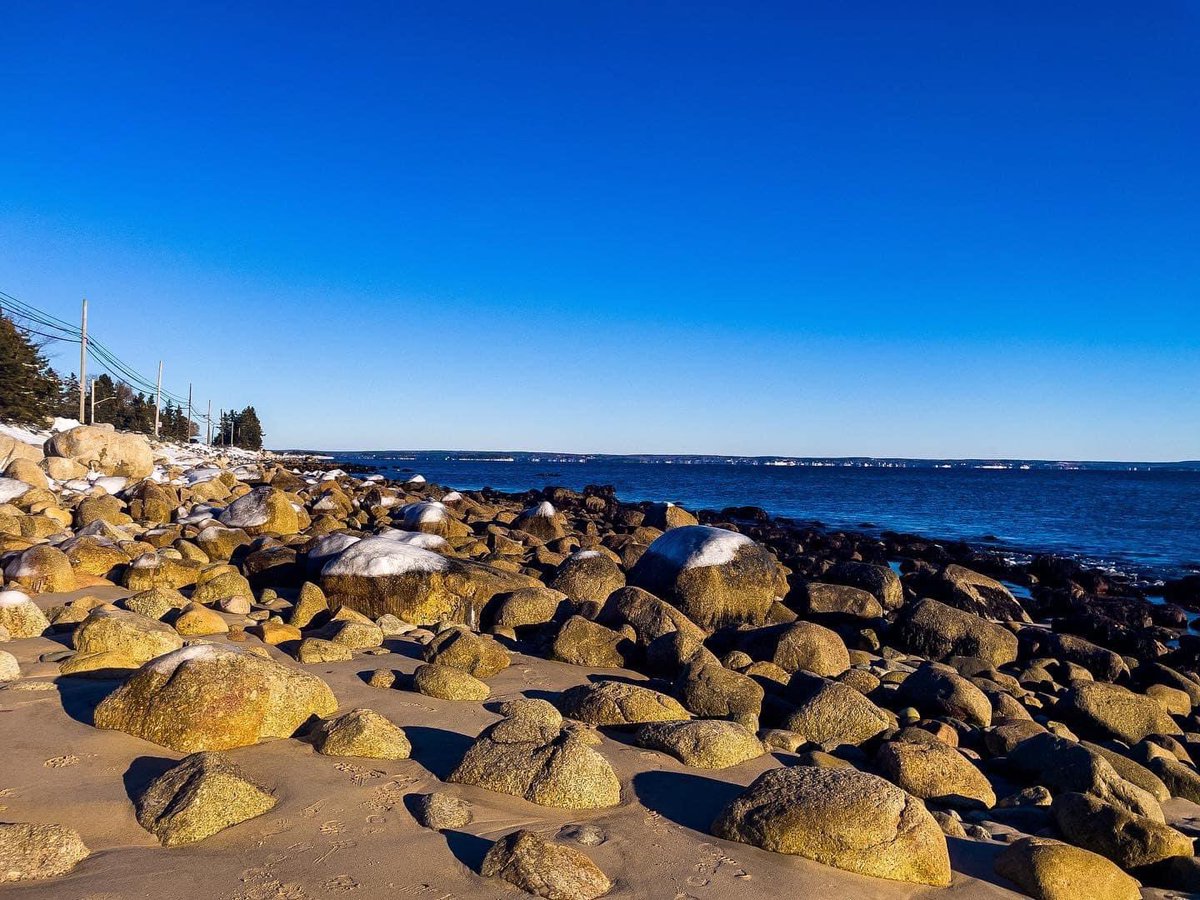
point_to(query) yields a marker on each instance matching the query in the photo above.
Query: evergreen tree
(68, 398)
(29, 388)
(249, 433)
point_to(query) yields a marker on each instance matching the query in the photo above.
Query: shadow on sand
(81, 696)
(468, 849)
(437, 749)
(692, 801)
(142, 771)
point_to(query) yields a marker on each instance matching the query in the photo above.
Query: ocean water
(1146, 521)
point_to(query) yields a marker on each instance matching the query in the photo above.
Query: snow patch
(697, 546)
(428, 512)
(13, 598)
(452, 497)
(585, 554)
(246, 512)
(416, 479)
(383, 555)
(416, 539)
(11, 489)
(169, 662)
(544, 510)
(111, 484)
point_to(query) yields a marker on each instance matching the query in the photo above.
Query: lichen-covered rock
(582, 642)
(831, 713)
(361, 732)
(135, 637)
(1051, 870)
(938, 631)
(937, 690)
(264, 511)
(544, 868)
(32, 852)
(588, 577)
(619, 703)
(10, 668)
(1113, 711)
(20, 616)
(840, 601)
(843, 818)
(317, 650)
(1127, 839)
(705, 743)
(203, 794)
(529, 754)
(210, 697)
(310, 604)
(709, 690)
(800, 647)
(935, 771)
(41, 569)
(976, 593)
(443, 812)
(475, 654)
(1104, 664)
(101, 448)
(879, 581)
(449, 683)
(714, 576)
(199, 621)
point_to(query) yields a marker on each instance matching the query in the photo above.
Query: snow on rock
(696, 546)
(11, 489)
(427, 512)
(247, 511)
(111, 484)
(416, 539)
(169, 662)
(14, 598)
(381, 556)
(452, 497)
(544, 510)
(584, 554)
(416, 479)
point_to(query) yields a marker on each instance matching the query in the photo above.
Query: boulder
(544, 868)
(704, 743)
(441, 811)
(542, 521)
(1103, 664)
(937, 690)
(10, 668)
(131, 636)
(840, 601)
(210, 697)
(714, 576)
(1112, 711)
(529, 754)
(938, 631)
(619, 703)
(317, 650)
(799, 647)
(935, 771)
(449, 683)
(583, 642)
(11, 448)
(264, 511)
(33, 852)
(20, 616)
(475, 654)
(831, 713)
(842, 818)
(41, 569)
(588, 577)
(363, 733)
(879, 581)
(1127, 839)
(1051, 870)
(201, 795)
(975, 593)
(707, 689)
(101, 448)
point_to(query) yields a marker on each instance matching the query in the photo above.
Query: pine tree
(249, 429)
(68, 398)
(29, 388)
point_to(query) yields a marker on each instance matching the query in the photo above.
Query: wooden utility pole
(157, 398)
(93, 419)
(208, 419)
(188, 438)
(83, 360)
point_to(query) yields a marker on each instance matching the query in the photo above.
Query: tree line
(31, 392)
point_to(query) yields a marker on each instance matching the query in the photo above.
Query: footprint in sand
(61, 762)
(342, 884)
(333, 826)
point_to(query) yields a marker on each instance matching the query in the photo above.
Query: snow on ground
(696, 546)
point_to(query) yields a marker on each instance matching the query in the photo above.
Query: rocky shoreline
(558, 693)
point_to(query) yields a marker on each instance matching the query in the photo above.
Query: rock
(475, 654)
(975, 593)
(264, 511)
(352, 633)
(10, 669)
(935, 771)
(41, 569)
(528, 754)
(198, 621)
(527, 607)
(210, 697)
(707, 689)
(382, 678)
(361, 732)
(28, 471)
(1128, 840)
(101, 448)
(310, 604)
(316, 650)
(385, 574)
(1102, 663)
(705, 744)
(588, 577)
(840, 601)
(11, 448)
(33, 852)
(219, 542)
(619, 703)
(133, 637)
(939, 632)
(800, 647)
(715, 577)
(939, 691)
(1180, 780)
(449, 683)
(1113, 711)
(667, 516)
(20, 616)
(1051, 870)
(582, 642)
(155, 603)
(830, 713)
(842, 818)
(544, 869)
(203, 794)
(650, 618)
(879, 581)
(443, 812)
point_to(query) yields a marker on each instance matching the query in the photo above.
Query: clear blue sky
(918, 229)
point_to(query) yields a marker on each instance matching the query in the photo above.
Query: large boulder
(211, 697)
(263, 511)
(879, 581)
(1051, 870)
(363, 733)
(448, 683)
(704, 743)
(714, 576)
(619, 703)
(938, 631)
(32, 852)
(134, 638)
(529, 754)
(11, 448)
(1127, 839)
(544, 868)
(582, 642)
(1109, 710)
(650, 618)
(799, 647)
(41, 569)
(843, 818)
(103, 449)
(203, 794)
(937, 690)
(392, 574)
(542, 521)
(1104, 664)
(20, 616)
(935, 771)
(475, 654)
(975, 593)
(831, 713)
(708, 689)
(588, 577)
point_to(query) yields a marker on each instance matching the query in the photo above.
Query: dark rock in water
(970, 591)
(1184, 591)
(880, 581)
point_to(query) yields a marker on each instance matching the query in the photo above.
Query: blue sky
(919, 229)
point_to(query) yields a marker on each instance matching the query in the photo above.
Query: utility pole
(83, 361)
(208, 420)
(188, 437)
(93, 418)
(157, 398)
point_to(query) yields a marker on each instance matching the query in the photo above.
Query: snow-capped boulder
(13, 489)
(20, 616)
(542, 521)
(41, 569)
(212, 697)
(263, 511)
(390, 574)
(430, 517)
(714, 576)
(104, 449)
(13, 448)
